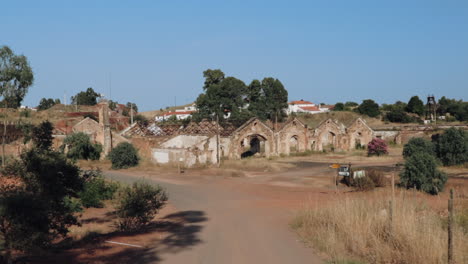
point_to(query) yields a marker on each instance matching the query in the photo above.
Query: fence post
(450, 228)
(390, 217)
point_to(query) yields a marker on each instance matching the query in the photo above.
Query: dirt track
(228, 220)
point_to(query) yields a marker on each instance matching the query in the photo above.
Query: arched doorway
(253, 145)
(293, 144)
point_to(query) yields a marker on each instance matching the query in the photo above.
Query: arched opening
(293, 144)
(331, 138)
(253, 145)
(329, 141)
(357, 141)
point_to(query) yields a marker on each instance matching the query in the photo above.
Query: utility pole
(450, 229)
(110, 86)
(131, 113)
(218, 160)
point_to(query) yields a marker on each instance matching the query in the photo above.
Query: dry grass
(360, 229)
(256, 164)
(344, 117)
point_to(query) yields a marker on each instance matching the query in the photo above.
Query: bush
(377, 177)
(416, 145)
(363, 184)
(80, 147)
(399, 116)
(421, 172)
(124, 156)
(42, 135)
(368, 107)
(35, 211)
(139, 204)
(96, 189)
(452, 146)
(377, 147)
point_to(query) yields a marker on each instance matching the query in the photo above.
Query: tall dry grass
(360, 229)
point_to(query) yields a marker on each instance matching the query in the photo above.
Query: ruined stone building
(99, 132)
(207, 142)
(199, 143)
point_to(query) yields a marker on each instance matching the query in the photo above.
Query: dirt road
(227, 221)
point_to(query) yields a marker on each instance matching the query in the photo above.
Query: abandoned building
(207, 142)
(99, 131)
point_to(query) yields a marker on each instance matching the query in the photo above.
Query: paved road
(225, 225)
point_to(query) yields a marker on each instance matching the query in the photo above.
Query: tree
(377, 147)
(16, 77)
(350, 104)
(221, 96)
(37, 211)
(256, 99)
(267, 99)
(452, 146)
(369, 107)
(276, 98)
(96, 189)
(112, 105)
(89, 97)
(124, 156)
(421, 172)
(139, 204)
(45, 104)
(141, 119)
(212, 77)
(339, 107)
(416, 145)
(128, 108)
(415, 105)
(42, 135)
(456, 108)
(398, 116)
(225, 96)
(80, 147)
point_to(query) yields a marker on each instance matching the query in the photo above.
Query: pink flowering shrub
(377, 147)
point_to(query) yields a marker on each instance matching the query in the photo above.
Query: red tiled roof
(310, 108)
(300, 102)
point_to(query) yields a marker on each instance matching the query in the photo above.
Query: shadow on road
(173, 233)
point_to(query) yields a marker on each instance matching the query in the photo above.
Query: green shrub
(139, 204)
(452, 146)
(421, 172)
(124, 156)
(80, 147)
(415, 145)
(40, 208)
(96, 189)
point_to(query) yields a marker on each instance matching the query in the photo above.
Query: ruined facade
(207, 142)
(100, 132)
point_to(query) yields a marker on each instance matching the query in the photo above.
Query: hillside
(151, 114)
(344, 117)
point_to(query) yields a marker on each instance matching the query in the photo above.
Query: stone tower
(105, 125)
(431, 108)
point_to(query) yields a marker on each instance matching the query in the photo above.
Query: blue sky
(154, 52)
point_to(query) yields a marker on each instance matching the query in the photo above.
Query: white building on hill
(180, 114)
(302, 106)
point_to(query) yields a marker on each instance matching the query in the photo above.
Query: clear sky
(151, 52)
